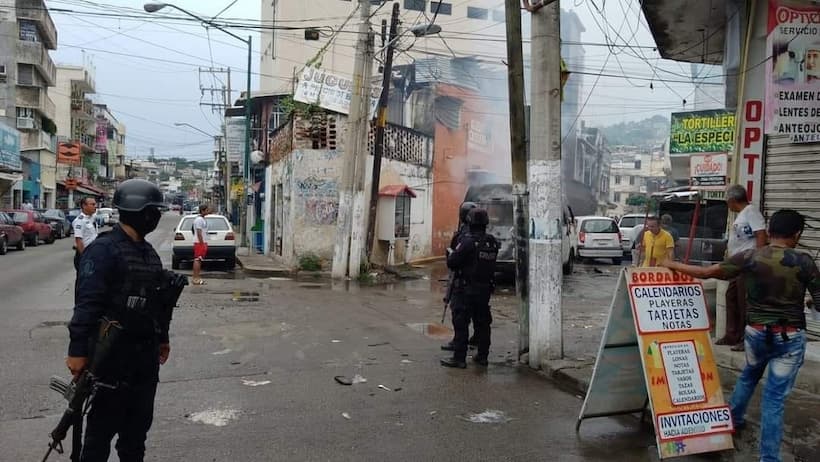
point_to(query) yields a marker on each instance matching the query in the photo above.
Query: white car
(221, 241)
(630, 225)
(599, 237)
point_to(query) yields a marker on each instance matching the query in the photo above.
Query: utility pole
(346, 249)
(546, 198)
(381, 122)
(518, 154)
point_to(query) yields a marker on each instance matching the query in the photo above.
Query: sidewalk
(261, 265)
(585, 314)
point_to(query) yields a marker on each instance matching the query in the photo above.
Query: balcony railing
(38, 140)
(37, 98)
(36, 10)
(83, 108)
(35, 53)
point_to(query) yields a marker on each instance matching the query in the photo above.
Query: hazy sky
(147, 67)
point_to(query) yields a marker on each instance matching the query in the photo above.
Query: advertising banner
(331, 91)
(670, 333)
(9, 148)
(69, 153)
(708, 171)
(702, 131)
(793, 72)
(101, 140)
(235, 139)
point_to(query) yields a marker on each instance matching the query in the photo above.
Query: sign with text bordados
(702, 131)
(681, 375)
(793, 72)
(708, 171)
(661, 317)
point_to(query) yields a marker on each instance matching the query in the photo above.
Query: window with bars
(28, 31)
(403, 216)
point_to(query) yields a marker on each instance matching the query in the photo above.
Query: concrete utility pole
(546, 198)
(381, 122)
(351, 224)
(518, 154)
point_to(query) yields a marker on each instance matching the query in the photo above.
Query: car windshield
(53, 213)
(630, 222)
(214, 223)
(500, 213)
(599, 226)
(20, 217)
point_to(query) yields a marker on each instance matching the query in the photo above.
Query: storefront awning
(396, 190)
(10, 176)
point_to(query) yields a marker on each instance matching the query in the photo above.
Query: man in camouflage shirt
(777, 277)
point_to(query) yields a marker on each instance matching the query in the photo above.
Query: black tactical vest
(136, 303)
(479, 274)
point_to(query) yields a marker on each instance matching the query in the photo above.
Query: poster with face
(793, 72)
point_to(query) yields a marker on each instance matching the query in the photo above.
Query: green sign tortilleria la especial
(702, 131)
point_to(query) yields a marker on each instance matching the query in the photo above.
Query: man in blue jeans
(776, 277)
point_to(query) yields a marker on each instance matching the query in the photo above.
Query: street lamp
(183, 124)
(152, 7)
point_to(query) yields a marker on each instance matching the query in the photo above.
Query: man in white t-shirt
(200, 242)
(747, 232)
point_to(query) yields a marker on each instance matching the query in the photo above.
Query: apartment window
(477, 13)
(25, 74)
(415, 5)
(25, 113)
(499, 16)
(28, 31)
(443, 8)
(631, 180)
(617, 179)
(637, 164)
(616, 197)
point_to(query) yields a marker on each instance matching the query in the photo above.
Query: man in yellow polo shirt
(656, 245)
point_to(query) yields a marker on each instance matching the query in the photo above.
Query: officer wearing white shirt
(85, 228)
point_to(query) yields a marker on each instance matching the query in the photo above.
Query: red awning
(397, 190)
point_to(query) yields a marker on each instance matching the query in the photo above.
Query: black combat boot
(449, 346)
(453, 362)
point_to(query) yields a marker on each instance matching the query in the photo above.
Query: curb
(263, 271)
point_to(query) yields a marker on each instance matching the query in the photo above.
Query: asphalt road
(251, 376)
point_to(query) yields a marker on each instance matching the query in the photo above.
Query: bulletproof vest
(136, 304)
(480, 272)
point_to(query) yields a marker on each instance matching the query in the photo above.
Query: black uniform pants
(476, 308)
(127, 412)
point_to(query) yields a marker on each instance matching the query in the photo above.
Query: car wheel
(35, 241)
(617, 261)
(22, 244)
(230, 263)
(175, 262)
(50, 239)
(570, 263)
(4, 246)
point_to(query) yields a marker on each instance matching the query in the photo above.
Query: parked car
(497, 199)
(34, 226)
(599, 237)
(221, 241)
(630, 226)
(72, 214)
(103, 216)
(58, 221)
(11, 235)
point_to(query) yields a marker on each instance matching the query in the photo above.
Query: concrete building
(26, 72)
(587, 172)
(109, 143)
(284, 51)
(636, 173)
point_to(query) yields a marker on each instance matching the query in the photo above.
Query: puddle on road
(239, 296)
(432, 330)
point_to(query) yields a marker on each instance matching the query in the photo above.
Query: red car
(35, 227)
(11, 235)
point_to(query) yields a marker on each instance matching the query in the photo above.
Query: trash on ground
(235, 363)
(254, 383)
(384, 388)
(342, 380)
(215, 417)
(406, 361)
(346, 415)
(489, 416)
(222, 352)
(335, 341)
(359, 379)
(378, 344)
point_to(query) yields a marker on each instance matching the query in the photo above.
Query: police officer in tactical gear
(451, 295)
(119, 280)
(474, 259)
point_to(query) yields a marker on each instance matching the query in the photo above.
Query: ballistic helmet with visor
(465, 209)
(136, 194)
(478, 217)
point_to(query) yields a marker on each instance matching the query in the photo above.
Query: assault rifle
(80, 390)
(447, 295)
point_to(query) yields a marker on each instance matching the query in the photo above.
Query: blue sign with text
(9, 148)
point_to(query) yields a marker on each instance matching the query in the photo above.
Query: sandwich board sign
(656, 352)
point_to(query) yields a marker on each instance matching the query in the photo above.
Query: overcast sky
(147, 67)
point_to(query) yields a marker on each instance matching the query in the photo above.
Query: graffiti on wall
(317, 186)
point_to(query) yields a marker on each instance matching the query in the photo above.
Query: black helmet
(478, 217)
(134, 195)
(464, 209)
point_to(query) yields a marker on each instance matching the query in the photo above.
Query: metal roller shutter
(792, 181)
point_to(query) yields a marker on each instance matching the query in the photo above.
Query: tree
(637, 200)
